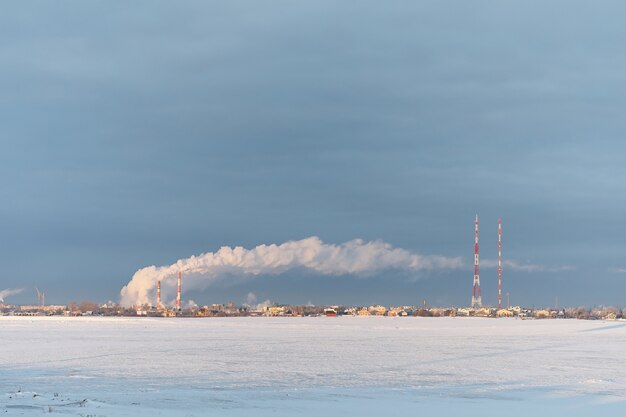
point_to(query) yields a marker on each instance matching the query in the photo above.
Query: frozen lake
(307, 366)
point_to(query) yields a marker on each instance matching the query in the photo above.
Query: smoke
(518, 266)
(264, 304)
(355, 257)
(251, 302)
(9, 292)
(251, 298)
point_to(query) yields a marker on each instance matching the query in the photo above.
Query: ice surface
(308, 366)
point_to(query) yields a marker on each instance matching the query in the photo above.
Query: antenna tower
(500, 263)
(476, 299)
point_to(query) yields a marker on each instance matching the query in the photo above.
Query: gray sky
(137, 134)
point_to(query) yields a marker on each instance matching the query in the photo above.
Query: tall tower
(499, 263)
(158, 295)
(476, 299)
(178, 294)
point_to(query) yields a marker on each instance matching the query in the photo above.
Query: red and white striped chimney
(178, 294)
(159, 295)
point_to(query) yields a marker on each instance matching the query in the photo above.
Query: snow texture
(311, 366)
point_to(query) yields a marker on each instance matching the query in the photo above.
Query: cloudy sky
(139, 134)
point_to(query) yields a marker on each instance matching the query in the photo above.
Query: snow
(310, 366)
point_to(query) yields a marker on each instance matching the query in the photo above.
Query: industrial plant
(160, 309)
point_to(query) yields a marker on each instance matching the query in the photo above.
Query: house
(543, 314)
(377, 310)
(610, 316)
(463, 312)
(483, 312)
(504, 313)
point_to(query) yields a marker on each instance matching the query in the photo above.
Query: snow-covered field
(311, 366)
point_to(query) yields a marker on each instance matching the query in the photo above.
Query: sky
(139, 134)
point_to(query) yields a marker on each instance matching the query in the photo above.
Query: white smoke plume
(251, 302)
(261, 306)
(251, 298)
(9, 292)
(353, 257)
(514, 265)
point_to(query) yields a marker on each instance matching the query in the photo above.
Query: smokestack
(159, 295)
(178, 294)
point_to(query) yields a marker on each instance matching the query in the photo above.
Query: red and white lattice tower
(499, 263)
(159, 295)
(178, 294)
(476, 299)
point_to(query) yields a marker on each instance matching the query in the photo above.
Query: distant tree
(611, 310)
(87, 306)
(582, 313)
(72, 306)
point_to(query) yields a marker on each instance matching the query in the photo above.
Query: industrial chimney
(178, 294)
(158, 295)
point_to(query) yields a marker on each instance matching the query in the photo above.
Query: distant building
(397, 312)
(273, 311)
(484, 312)
(610, 316)
(377, 310)
(463, 312)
